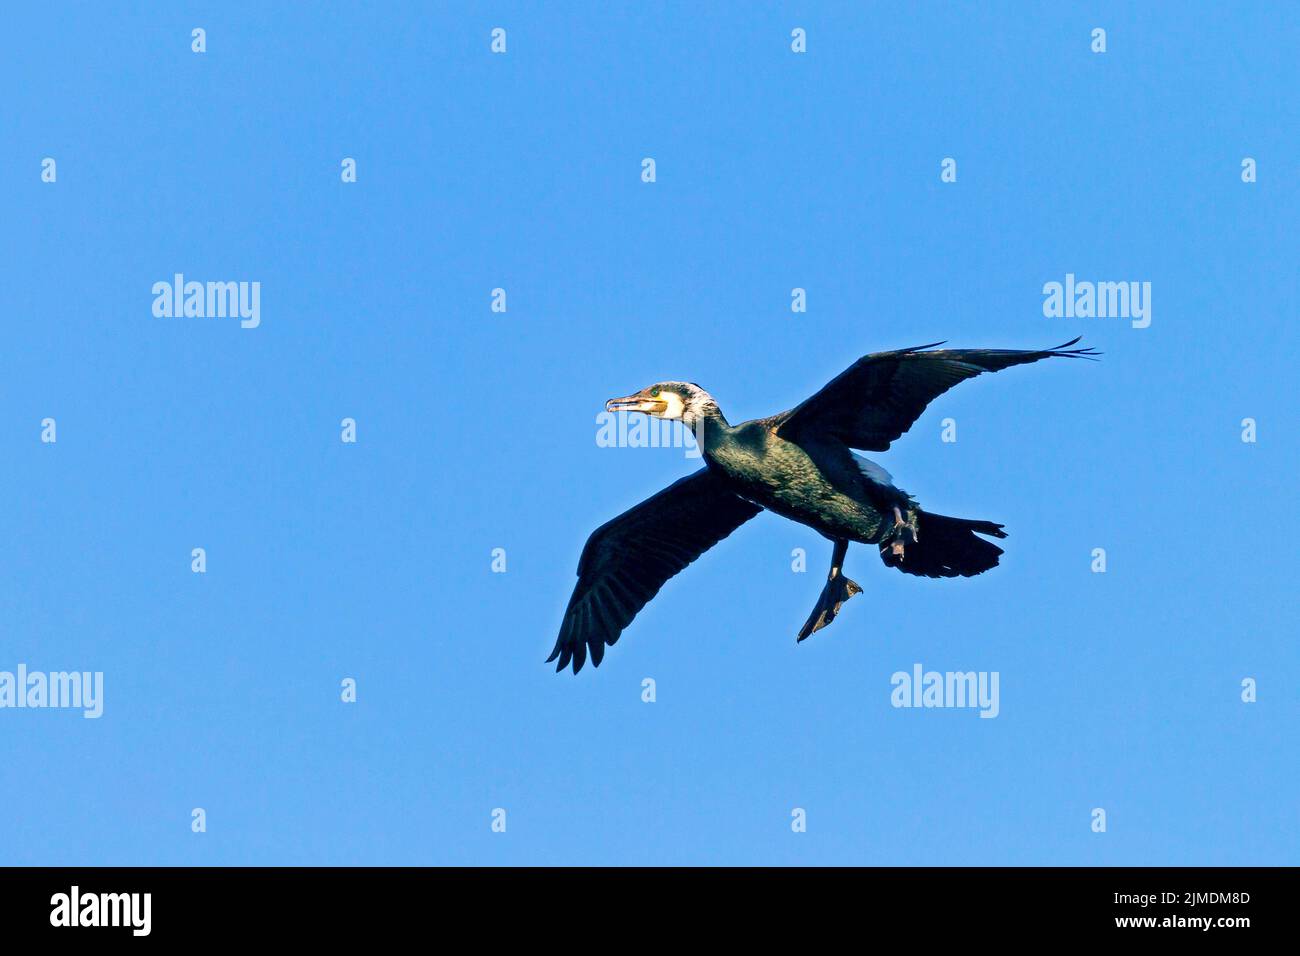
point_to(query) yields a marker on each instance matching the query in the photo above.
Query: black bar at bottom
(365, 904)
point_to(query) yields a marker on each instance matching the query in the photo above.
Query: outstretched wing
(880, 396)
(627, 560)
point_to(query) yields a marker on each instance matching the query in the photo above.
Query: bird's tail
(945, 547)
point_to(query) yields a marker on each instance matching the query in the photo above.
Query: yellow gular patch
(676, 407)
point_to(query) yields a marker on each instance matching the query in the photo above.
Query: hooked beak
(640, 402)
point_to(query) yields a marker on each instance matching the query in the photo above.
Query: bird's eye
(654, 393)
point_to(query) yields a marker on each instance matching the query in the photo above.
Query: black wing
(627, 560)
(880, 396)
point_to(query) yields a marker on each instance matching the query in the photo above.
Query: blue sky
(476, 430)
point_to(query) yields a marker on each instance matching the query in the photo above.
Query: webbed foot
(838, 589)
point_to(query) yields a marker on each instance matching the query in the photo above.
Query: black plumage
(628, 559)
(798, 464)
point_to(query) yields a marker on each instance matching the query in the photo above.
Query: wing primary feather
(879, 397)
(627, 560)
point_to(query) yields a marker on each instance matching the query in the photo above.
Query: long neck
(708, 425)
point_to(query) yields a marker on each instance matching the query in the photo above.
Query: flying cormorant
(798, 464)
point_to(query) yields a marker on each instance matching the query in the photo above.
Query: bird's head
(676, 401)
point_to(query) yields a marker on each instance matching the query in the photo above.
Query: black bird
(797, 464)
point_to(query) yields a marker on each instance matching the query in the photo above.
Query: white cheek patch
(676, 407)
